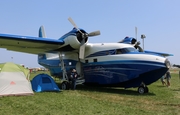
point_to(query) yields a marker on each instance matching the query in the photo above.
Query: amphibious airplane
(122, 64)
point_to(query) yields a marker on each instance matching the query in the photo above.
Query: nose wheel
(65, 85)
(143, 89)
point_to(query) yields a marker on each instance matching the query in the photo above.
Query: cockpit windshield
(125, 50)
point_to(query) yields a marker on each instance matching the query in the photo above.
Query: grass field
(85, 100)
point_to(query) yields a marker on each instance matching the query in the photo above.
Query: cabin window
(42, 56)
(70, 63)
(95, 60)
(86, 61)
(130, 50)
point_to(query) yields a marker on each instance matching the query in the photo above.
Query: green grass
(86, 100)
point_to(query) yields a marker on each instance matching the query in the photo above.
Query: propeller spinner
(84, 36)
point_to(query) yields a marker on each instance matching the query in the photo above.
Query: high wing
(159, 53)
(28, 44)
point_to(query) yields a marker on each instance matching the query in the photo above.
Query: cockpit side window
(125, 50)
(113, 52)
(118, 51)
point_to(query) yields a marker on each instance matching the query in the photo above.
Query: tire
(65, 85)
(141, 90)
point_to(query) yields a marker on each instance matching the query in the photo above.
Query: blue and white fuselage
(112, 64)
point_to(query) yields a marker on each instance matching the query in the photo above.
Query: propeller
(84, 36)
(136, 45)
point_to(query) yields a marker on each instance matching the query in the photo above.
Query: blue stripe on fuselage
(127, 73)
(115, 72)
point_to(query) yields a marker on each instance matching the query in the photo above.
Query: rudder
(42, 32)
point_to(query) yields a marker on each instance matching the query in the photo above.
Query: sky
(158, 20)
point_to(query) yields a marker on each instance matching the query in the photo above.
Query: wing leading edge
(159, 53)
(28, 44)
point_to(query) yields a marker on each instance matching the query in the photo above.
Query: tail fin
(42, 32)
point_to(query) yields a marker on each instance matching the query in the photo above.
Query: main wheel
(141, 90)
(65, 85)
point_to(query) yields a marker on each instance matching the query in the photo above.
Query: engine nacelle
(72, 40)
(128, 40)
(133, 41)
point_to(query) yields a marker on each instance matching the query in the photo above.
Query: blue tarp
(44, 82)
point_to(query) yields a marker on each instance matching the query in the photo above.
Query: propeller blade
(95, 33)
(82, 49)
(140, 49)
(72, 22)
(137, 44)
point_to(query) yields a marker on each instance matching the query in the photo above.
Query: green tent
(14, 80)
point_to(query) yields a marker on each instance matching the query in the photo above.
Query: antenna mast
(136, 32)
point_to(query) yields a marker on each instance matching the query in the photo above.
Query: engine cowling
(72, 40)
(128, 40)
(133, 41)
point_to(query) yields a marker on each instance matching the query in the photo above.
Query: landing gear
(65, 85)
(143, 89)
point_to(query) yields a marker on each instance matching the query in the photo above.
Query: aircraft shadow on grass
(113, 90)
